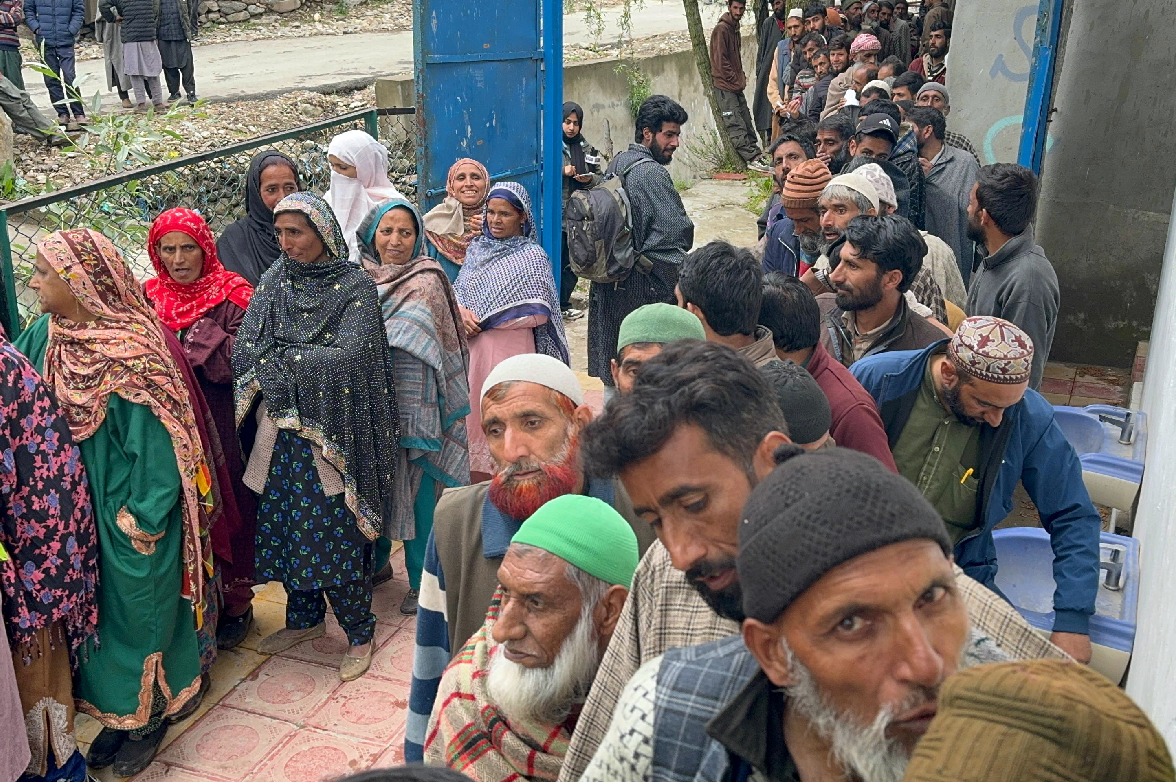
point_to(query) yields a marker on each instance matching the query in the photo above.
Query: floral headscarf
(180, 305)
(122, 352)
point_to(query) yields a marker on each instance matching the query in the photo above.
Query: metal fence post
(371, 123)
(10, 314)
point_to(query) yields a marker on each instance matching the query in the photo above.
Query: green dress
(146, 630)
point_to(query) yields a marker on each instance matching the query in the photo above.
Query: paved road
(244, 69)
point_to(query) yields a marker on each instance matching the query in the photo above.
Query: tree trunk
(702, 61)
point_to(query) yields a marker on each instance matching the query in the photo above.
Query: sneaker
(126, 103)
(232, 631)
(105, 747)
(353, 667)
(192, 99)
(73, 126)
(571, 314)
(409, 605)
(63, 120)
(173, 98)
(136, 754)
(760, 164)
(161, 108)
(288, 638)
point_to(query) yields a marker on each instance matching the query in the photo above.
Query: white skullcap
(796, 13)
(857, 182)
(881, 182)
(879, 83)
(537, 369)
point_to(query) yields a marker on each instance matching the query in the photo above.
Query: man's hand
(1077, 645)
(926, 164)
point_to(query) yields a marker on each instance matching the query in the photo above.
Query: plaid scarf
(469, 735)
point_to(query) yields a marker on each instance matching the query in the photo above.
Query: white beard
(546, 695)
(861, 751)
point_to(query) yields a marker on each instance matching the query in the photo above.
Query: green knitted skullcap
(587, 533)
(659, 323)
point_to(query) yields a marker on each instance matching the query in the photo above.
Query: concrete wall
(604, 93)
(988, 73)
(1107, 181)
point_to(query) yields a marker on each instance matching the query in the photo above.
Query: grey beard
(547, 695)
(810, 244)
(861, 751)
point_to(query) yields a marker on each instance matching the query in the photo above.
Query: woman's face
(571, 125)
(277, 182)
(341, 168)
(181, 256)
(54, 294)
(503, 219)
(469, 185)
(396, 236)
(297, 239)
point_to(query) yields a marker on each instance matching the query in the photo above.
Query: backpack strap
(625, 172)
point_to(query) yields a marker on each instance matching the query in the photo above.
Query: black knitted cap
(817, 510)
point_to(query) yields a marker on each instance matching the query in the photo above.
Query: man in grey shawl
(662, 232)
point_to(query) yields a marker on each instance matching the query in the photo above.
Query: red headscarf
(180, 305)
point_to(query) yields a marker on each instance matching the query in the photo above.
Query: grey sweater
(1019, 284)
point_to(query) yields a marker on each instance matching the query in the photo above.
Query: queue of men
(770, 556)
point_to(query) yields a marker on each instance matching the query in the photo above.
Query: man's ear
(608, 610)
(891, 279)
(763, 462)
(583, 414)
(615, 370)
(764, 641)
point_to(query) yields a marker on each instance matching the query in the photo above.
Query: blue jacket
(782, 250)
(1028, 446)
(56, 22)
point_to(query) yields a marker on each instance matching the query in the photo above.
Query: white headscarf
(352, 198)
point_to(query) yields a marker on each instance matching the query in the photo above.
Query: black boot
(232, 631)
(105, 747)
(137, 753)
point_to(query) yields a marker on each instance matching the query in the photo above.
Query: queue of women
(280, 404)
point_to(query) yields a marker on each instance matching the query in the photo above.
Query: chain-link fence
(123, 207)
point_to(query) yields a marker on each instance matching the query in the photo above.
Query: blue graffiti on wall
(1024, 28)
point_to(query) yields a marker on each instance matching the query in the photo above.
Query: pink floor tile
(393, 659)
(370, 708)
(393, 756)
(284, 689)
(386, 601)
(161, 771)
(311, 755)
(227, 742)
(328, 650)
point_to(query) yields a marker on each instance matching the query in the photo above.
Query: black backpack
(599, 225)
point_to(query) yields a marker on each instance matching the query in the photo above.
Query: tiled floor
(288, 717)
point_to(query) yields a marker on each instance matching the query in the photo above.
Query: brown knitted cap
(1043, 720)
(805, 183)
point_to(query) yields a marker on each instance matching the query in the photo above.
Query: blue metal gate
(489, 79)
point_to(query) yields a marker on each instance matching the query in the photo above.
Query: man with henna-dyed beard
(532, 414)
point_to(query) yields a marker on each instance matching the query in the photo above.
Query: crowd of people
(769, 557)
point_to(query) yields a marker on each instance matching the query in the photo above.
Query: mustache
(706, 569)
(510, 473)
